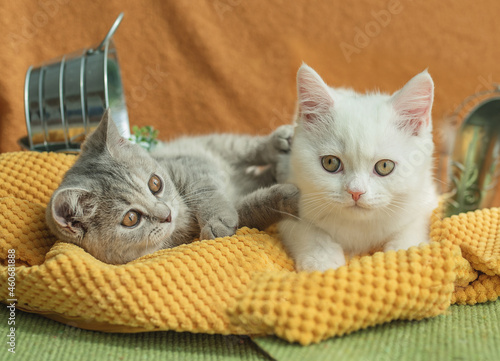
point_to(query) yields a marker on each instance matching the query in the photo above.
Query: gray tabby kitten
(120, 202)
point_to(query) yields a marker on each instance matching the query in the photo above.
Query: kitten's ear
(413, 103)
(314, 99)
(105, 136)
(68, 211)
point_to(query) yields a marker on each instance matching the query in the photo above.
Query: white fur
(360, 129)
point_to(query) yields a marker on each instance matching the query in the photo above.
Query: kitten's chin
(155, 242)
(360, 209)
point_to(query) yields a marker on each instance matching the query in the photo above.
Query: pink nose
(356, 195)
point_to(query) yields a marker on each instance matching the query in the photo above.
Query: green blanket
(466, 333)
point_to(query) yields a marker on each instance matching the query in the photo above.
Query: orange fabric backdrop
(229, 65)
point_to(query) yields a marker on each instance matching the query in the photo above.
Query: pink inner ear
(61, 220)
(313, 95)
(310, 109)
(60, 212)
(417, 106)
(416, 117)
(414, 102)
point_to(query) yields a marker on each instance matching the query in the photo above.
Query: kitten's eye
(131, 219)
(384, 167)
(331, 163)
(154, 184)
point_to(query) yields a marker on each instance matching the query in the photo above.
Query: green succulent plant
(145, 136)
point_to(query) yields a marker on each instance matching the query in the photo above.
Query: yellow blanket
(243, 284)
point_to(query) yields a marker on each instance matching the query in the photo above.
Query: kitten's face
(360, 155)
(116, 202)
(136, 211)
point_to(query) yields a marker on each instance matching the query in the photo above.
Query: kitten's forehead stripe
(112, 180)
(124, 201)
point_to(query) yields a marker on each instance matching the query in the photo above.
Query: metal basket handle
(108, 36)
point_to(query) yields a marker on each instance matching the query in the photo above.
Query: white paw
(320, 262)
(402, 244)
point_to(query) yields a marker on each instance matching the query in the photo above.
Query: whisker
(285, 213)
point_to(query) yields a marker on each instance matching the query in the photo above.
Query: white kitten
(363, 164)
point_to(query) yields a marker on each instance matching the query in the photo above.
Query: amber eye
(154, 184)
(131, 219)
(384, 167)
(331, 163)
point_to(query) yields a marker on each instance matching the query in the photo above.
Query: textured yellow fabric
(309, 307)
(243, 284)
(478, 235)
(485, 288)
